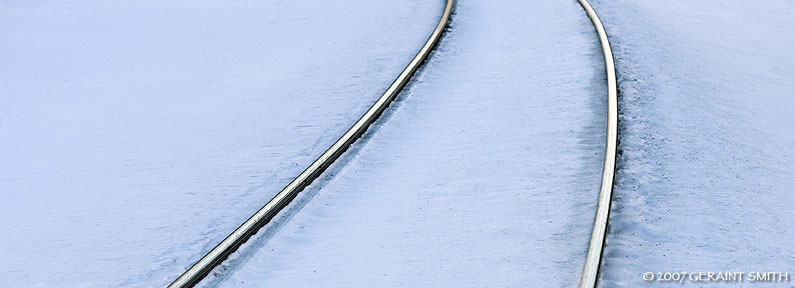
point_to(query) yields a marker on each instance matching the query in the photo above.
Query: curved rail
(232, 242)
(592, 261)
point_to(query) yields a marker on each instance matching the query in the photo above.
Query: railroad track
(590, 273)
(591, 270)
(232, 242)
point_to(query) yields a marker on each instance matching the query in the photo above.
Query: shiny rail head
(593, 260)
(231, 243)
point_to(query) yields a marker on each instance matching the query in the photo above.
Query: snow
(135, 135)
(707, 153)
(485, 173)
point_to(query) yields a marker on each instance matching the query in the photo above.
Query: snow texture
(706, 164)
(485, 173)
(135, 135)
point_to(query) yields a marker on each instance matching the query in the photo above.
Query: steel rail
(232, 242)
(590, 273)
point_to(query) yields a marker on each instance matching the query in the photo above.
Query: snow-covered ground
(707, 154)
(485, 173)
(135, 135)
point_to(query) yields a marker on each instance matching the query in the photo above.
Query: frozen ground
(707, 155)
(135, 135)
(484, 174)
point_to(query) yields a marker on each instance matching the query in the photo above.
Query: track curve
(590, 273)
(232, 242)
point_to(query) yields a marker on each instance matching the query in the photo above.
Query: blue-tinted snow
(135, 135)
(707, 156)
(485, 173)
